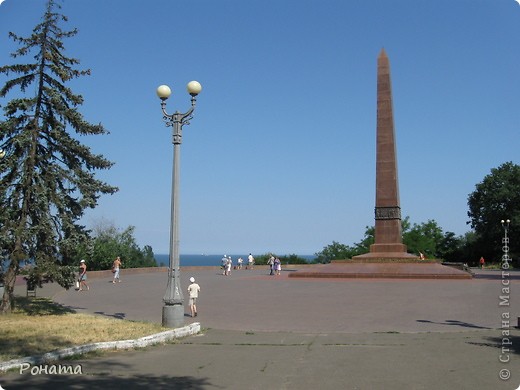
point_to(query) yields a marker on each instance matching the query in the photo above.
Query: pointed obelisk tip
(382, 53)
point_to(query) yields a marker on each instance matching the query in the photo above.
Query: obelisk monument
(388, 236)
(387, 257)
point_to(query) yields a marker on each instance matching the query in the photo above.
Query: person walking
(115, 269)
(277, 266)
(482, 263)
(251, 261)
(224, 264)
(83, 276)
(193, 290)
(270, 263)
(229, 264)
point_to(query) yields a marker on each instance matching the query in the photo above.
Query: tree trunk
(9, 280)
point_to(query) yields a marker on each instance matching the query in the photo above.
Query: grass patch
(38, 307)
(38, 325)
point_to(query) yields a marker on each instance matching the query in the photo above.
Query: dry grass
(38, 326)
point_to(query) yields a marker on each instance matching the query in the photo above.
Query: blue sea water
(207, 260)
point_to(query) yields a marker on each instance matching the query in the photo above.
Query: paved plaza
(276, 332)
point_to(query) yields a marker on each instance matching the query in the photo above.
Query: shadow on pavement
(119, 316)
(511, 344)
(455, 323)
(115, 382)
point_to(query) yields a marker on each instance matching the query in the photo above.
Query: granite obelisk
(388, 242)
(387, 257)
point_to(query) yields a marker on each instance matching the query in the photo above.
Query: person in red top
(482, 262)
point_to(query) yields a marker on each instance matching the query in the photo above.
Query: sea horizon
(208, 259)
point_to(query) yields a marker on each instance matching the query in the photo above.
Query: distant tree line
(107, 243)
(286, 259)
(427, 238)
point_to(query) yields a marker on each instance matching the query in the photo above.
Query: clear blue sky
(280, 155)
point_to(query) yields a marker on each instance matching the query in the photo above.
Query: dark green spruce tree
(47, 177)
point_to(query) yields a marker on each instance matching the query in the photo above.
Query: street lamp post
(505, 244)
(173, 309)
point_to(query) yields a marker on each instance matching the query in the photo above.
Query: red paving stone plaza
(276, 332)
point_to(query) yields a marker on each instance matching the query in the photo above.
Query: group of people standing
(275, 265)
(227, 264)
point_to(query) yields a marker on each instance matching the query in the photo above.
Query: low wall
(106, 274)
(135, 271)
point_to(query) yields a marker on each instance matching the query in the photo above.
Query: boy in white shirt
(193, 290)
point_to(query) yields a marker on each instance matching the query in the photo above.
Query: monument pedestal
(386, 251)
(372, 269)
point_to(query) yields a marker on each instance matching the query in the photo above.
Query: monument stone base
(382, 268)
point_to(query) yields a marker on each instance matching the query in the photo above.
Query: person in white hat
(193, 290)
